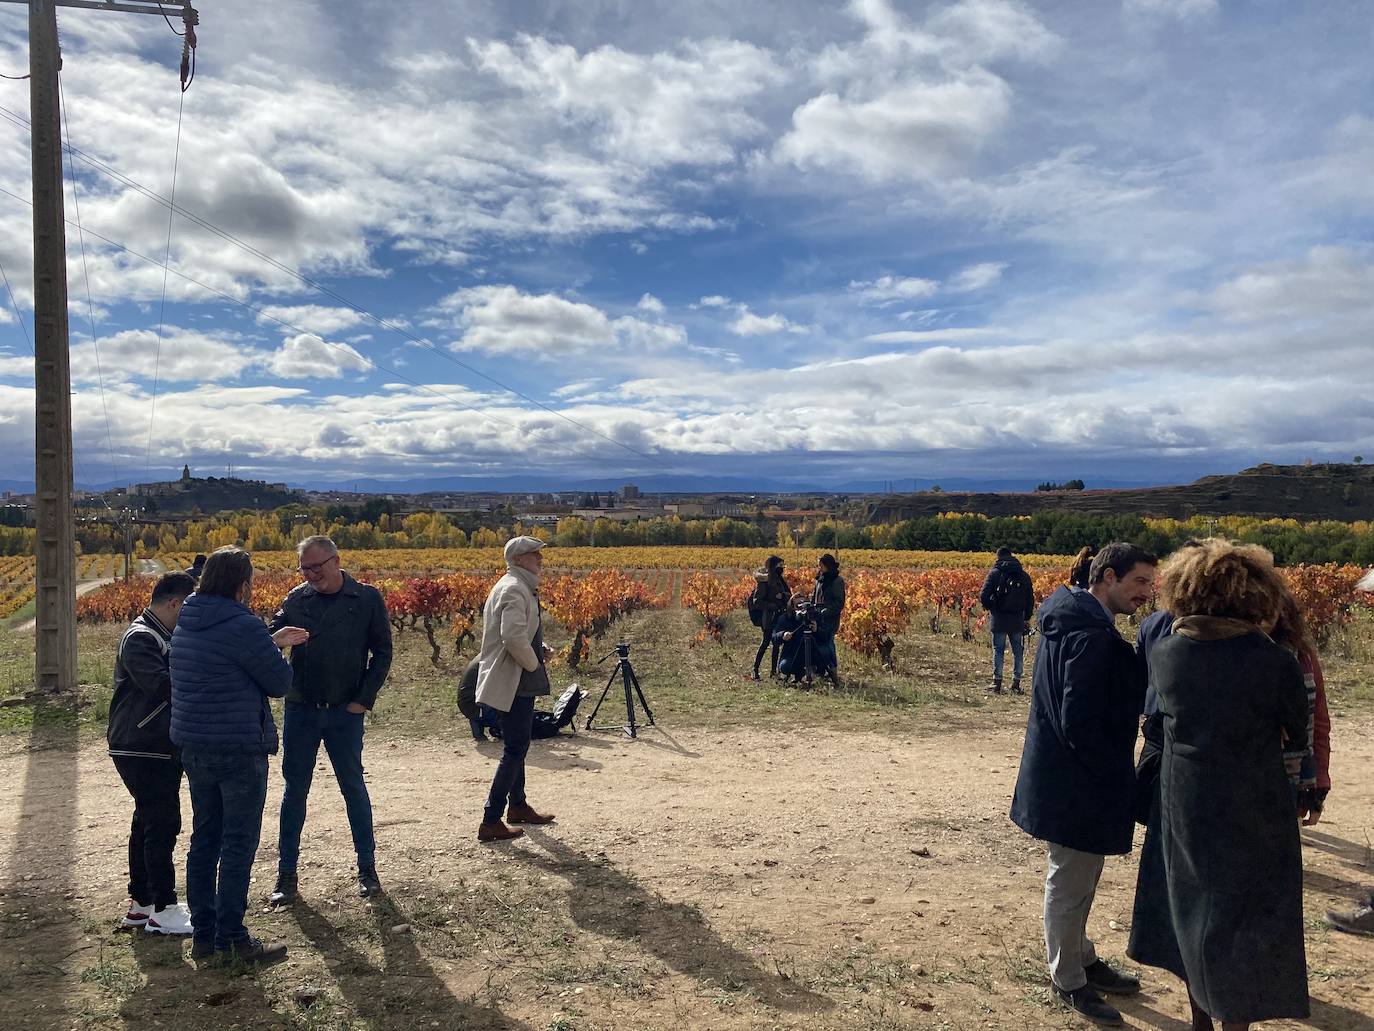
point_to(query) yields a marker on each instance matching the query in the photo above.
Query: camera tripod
(628, 678)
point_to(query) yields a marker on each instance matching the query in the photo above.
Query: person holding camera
(827, 600)
(1009, 600)
(790, 636)
(770, 601)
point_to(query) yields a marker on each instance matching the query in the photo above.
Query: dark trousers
(228, 792)
(509, 783)
(155, 785)
(763, 647)
(304, 728)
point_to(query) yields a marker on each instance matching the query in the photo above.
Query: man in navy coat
(1076, 787)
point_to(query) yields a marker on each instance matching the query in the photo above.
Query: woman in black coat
(772, 594)
(1227, 917)
(828, 599)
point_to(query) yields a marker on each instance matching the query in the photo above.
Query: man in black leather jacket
(337, 674)
(139, 739)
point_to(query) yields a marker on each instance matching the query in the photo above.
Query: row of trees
(1291, 541)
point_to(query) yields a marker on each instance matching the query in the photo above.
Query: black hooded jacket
(140, 723)
(1076, 786)
(1005, 618)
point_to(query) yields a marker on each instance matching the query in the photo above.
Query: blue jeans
(1018, 651)
(228, 791)
(509, 783)
(304, 728)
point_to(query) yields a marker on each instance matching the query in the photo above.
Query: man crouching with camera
(510, 676)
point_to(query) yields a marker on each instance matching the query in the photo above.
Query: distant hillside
(1341, 492)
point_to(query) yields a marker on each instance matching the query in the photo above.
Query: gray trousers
(1070, 886)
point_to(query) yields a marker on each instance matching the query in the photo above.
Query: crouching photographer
(795, 635)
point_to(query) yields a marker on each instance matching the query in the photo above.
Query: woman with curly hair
(1227, 917)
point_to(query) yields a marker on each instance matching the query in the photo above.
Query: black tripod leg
(642, 701)
(604, 691)
(625, 674)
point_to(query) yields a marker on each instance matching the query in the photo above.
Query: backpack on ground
(548, 724)
(566, 707)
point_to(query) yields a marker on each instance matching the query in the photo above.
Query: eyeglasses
(316, 567)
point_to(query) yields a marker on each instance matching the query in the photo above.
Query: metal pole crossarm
(163, 7)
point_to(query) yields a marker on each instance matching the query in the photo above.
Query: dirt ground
(759, 878)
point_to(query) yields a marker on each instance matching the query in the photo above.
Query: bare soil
(740, 878)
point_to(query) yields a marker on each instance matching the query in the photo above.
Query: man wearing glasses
(336, 675)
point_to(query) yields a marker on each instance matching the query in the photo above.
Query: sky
(883, 240)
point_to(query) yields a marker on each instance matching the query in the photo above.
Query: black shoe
(368, 885)
(1087, 1003)
(1104, 979)
(201, 951)
(1016, 687)
(252, 952)
(285, 892)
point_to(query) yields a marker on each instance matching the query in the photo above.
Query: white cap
(518, 546)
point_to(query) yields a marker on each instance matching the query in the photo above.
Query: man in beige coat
(510, 676)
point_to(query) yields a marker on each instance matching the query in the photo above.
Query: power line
(19, 316)
(162, 308)
(329, 292)
(343, 349)
(86, 275)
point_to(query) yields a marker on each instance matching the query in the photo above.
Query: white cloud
(714, 301)
(976, 277)
(651, 304)
(1327, 283)
(917, 130)
(503, 320)
(1182, 9)
(307, 356)
(747, 324)
(911, 102)
(655, 109)
(890, 289)
(313, 318)
(930, 336)
(17, 366)
(184, 355)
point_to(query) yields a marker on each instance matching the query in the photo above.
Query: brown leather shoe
(496, 831)
(524, 814)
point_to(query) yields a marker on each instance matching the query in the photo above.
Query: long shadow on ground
(606, 901)
(40, 930)
(403, 992)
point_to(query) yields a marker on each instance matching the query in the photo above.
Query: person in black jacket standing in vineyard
(336, 676)
(139, 738)
(1076, 787)
(1009, 600)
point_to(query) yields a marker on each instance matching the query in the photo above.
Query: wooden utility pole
(55, 547)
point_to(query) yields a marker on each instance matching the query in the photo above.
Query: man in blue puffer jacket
(225, 667)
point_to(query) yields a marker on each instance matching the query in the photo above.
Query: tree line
(1059, 533)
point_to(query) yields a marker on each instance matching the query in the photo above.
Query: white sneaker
(137, 916)
(173, 919)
